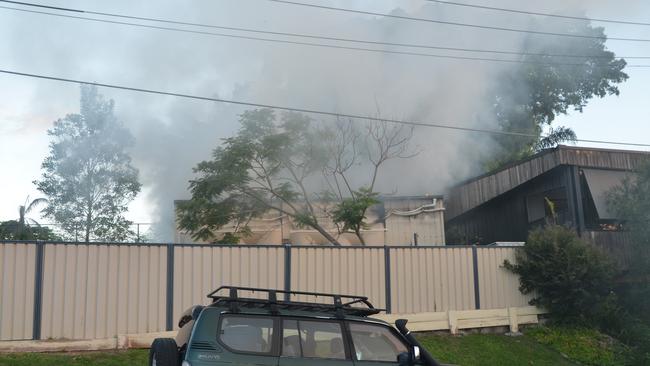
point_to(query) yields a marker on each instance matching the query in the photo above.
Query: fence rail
(98, 290)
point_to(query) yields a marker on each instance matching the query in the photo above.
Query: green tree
(25, 227)
(22, 228)
(294, 166)
(530, 96)
(12, 230)
(631, 203)
(87, 177)
(350, 212)
(566, 276)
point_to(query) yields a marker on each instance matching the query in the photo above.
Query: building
(503, 206)
(412, 220)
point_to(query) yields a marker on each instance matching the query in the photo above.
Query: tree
(24, 223)
(87, 177)
(569, 278)
(530, 96)
(631, 204)
(293, 166)
(26, 228)
(12, 230)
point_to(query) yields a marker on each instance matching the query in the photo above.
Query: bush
(569, 278)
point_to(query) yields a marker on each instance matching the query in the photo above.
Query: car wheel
(163, 352)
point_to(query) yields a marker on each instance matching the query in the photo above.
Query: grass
(123, 358)
(587, 346)
(491, 349)
(537, 347)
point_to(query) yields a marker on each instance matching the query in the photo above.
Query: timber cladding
(101, 290)
(481, 189)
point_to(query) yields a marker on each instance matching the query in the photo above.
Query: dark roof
(478, 190)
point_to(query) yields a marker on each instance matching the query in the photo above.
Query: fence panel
(99, 291)
(200, 269)
(499, 288)
(431, 279)
(17, 272)
(102, 290)
(345, 270)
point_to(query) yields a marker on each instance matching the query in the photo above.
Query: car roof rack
(341, 305)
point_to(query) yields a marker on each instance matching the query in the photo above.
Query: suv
(236, 330)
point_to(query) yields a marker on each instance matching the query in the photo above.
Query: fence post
(169, 321)
(38, 291)
(287, 271)
(477, 292)
(387, 278)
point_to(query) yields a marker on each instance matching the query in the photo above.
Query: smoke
(173, 134)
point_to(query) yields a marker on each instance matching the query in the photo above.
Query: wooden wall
(479, 190)
(505, 217)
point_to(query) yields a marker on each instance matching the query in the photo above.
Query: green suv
(238, 330)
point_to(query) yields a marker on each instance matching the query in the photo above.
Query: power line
(540, 14)
(312, 44)
(471, 25)
(292, 34)
(306, 110)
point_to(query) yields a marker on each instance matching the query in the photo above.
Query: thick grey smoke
(174, 134)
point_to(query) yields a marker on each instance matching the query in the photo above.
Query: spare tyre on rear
(164, 352)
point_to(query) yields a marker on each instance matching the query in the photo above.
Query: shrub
(566, 276)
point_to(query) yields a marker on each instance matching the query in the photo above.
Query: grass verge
(122, 358)
(491, 349)
(537, 347)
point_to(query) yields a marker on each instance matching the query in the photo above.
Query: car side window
(312, 339)
(375, 343)
(247, 334)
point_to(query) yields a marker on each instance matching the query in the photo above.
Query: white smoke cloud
(173, 134)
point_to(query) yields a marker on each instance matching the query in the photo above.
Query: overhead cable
(307, 110)
(312, 44)
(562, 16)
(312, 36)
(460, 24)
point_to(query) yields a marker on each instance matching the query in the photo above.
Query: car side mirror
(409, 358)
(404, 359)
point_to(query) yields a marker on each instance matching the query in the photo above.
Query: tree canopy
(13, 230)
(529, 96)
(294, 166)
(88, 178)
(630, 201)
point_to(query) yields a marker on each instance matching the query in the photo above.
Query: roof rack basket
(341, 305)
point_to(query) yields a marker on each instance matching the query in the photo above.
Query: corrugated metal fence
(99, 290)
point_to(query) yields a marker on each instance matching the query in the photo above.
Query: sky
(173, 135)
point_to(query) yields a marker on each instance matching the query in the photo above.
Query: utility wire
(312, 36)
(302, 35)
(428, 20)
(616, 21)
(306, 110)
(312, 44)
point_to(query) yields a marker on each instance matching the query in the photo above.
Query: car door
(375, 344)
(313, 342)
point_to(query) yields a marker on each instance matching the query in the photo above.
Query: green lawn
(124, 358)
(491, 349)
(539, 346)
